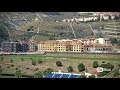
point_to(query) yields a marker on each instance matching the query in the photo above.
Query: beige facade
(61, 45)
(75, 45)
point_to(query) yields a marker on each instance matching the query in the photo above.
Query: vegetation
(106, 66)
(70, 69)
(95, 64)
(11, 60)
(92, 76)
(22, 59)
(34, 62)
(18, 73)
(117, 73)
(58, 63)
(38, 75)
(39, 61)
(81, 67)
(82, 76)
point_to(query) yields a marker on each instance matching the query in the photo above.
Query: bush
(95, 64)
(18, 73)
(103, 61)
(58, 63)
(102, 74)
(107, 66)
(81, 67)
(39, 61)
(38, 74)
(92, 76)
(82, 76)
(33, 62)
(70, 69)
(12, 65)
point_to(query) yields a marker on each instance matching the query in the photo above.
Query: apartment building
(76, 45)
(14, 46)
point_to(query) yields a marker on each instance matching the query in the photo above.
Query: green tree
(39, 61)
(18, 73)
(81, 67)
(58, 63)
(91, 76)
(38, 74)
(95, 64)
(70, 69)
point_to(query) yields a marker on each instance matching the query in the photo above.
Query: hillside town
(95, 16)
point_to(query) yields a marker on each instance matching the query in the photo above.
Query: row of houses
(94, 17)
(90, 18)
(76, 45)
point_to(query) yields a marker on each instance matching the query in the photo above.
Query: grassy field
(50, 62)
(36, 57)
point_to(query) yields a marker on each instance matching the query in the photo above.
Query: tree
(113, 40)
(70, 69)
(38, 75)
(49, 70)
(81, 67)
(33, 62)
(82, 76)
(95, 64)
(58, 63)
(39, 61)
(91, 76)
(18, 73)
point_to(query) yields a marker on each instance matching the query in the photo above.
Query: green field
(44, 57)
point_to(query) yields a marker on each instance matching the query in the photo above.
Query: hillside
(16, 26)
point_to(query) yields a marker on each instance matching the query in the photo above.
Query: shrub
(103, 61)
(33, 62)
(95, 64)
(70, 69)
(12, 65)
(92, 76)
(58, 63)
(39, 61)
(81, 67)
(82, 76)
(38, 74)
